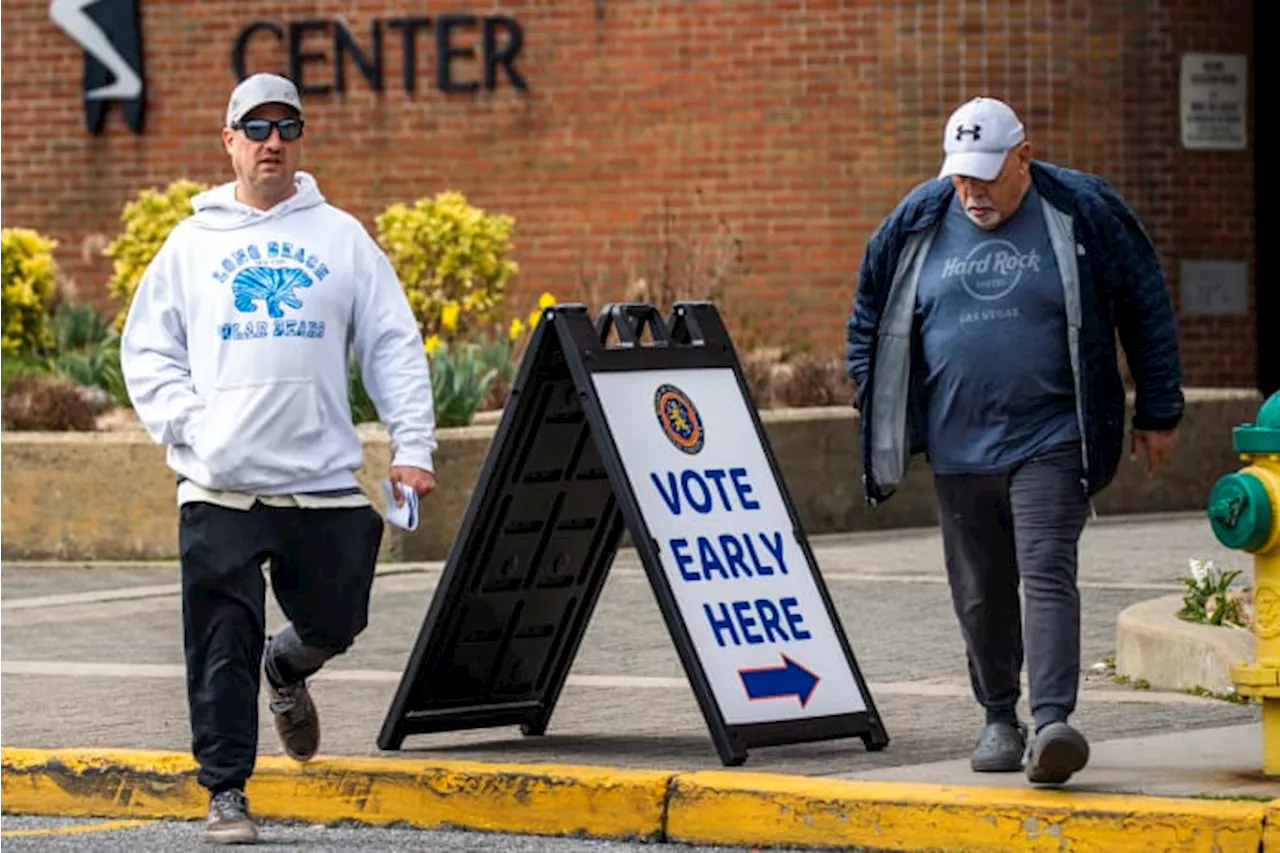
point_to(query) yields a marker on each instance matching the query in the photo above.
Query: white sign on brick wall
(1213, 101)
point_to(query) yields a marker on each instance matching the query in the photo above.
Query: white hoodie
(235, 347)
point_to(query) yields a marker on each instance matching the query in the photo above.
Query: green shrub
(97, 367)
(453, 260)
(460, 379)
(87, 351)
(29, 277)
(13, 366)
(362, 408)
(466, 377)
(148, 219)
(78, 327)
(83, 348)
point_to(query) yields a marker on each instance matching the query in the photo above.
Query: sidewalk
(92, 663)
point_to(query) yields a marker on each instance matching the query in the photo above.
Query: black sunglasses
(259, 129)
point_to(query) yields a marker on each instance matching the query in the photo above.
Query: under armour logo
(975, 131)
(111, 38)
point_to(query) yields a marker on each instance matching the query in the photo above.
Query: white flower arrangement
(1209, 599)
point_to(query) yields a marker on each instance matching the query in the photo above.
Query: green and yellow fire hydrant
(1244, 511)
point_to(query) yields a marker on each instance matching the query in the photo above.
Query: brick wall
(759, 142)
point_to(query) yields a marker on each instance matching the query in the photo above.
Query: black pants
(322, 564)
(997, 530)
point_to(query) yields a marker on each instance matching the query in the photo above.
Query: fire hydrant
(1244, 511)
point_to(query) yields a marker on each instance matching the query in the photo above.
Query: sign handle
(629, 320)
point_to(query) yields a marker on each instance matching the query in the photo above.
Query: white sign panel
(738, 574)
(1213, 100)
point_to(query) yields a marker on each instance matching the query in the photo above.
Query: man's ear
(228, 135)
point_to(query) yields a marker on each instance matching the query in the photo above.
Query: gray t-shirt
(999, 385)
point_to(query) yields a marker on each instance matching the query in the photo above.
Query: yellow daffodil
(516, 330)
(449, 316)
(545, 301)
(431, 344)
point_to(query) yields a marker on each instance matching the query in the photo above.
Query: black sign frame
(481, 660)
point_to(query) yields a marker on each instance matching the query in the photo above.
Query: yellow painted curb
(534, 799)
(765, 809)
(1271, 833)
(710, 807)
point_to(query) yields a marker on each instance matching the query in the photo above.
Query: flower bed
(61, 360)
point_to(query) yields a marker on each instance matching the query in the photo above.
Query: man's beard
(990, 218)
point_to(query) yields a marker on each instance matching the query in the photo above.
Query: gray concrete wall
(110, 496)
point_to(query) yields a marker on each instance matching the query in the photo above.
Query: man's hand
(1158, 445)
(406, 476)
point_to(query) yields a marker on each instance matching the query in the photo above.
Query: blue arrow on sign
(775, 682)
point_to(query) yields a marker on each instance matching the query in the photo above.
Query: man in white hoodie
(235, 353)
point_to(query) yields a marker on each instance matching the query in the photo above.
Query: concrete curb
(707, 807)
(728, 808)
(1171, 654)
(534, 799)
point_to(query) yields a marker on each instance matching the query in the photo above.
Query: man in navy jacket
(983, 335)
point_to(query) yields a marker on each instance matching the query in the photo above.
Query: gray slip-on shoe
(297, 722)
(1000, 749)
(228, 820)
(1057, 752)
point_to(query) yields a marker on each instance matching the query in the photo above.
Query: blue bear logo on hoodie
(273, 285)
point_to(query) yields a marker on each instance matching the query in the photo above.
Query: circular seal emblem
(679, 419)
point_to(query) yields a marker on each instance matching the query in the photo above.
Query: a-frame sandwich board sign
(658, 436)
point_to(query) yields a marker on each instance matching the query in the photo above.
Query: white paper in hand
(406, 515)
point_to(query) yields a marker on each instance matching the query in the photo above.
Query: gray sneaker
(297, 721)
(228, 820)
(1057, 752)
(1000, 748)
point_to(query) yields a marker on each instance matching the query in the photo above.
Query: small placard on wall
(1215, 288)
(1213, 100)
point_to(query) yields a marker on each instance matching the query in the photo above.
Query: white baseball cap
(978, 136)
(259, 89)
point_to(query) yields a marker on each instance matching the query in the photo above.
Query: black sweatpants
(322, 564)
(997, 530)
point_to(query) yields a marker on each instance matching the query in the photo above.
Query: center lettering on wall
(319, 51)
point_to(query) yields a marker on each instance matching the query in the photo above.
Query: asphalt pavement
(20, 834)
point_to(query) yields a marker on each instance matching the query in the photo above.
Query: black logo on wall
(111, 36)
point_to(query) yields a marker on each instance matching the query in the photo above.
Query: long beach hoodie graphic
(110, 33)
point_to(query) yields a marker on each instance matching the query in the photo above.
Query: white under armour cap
(259, 89)
(978, 136)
